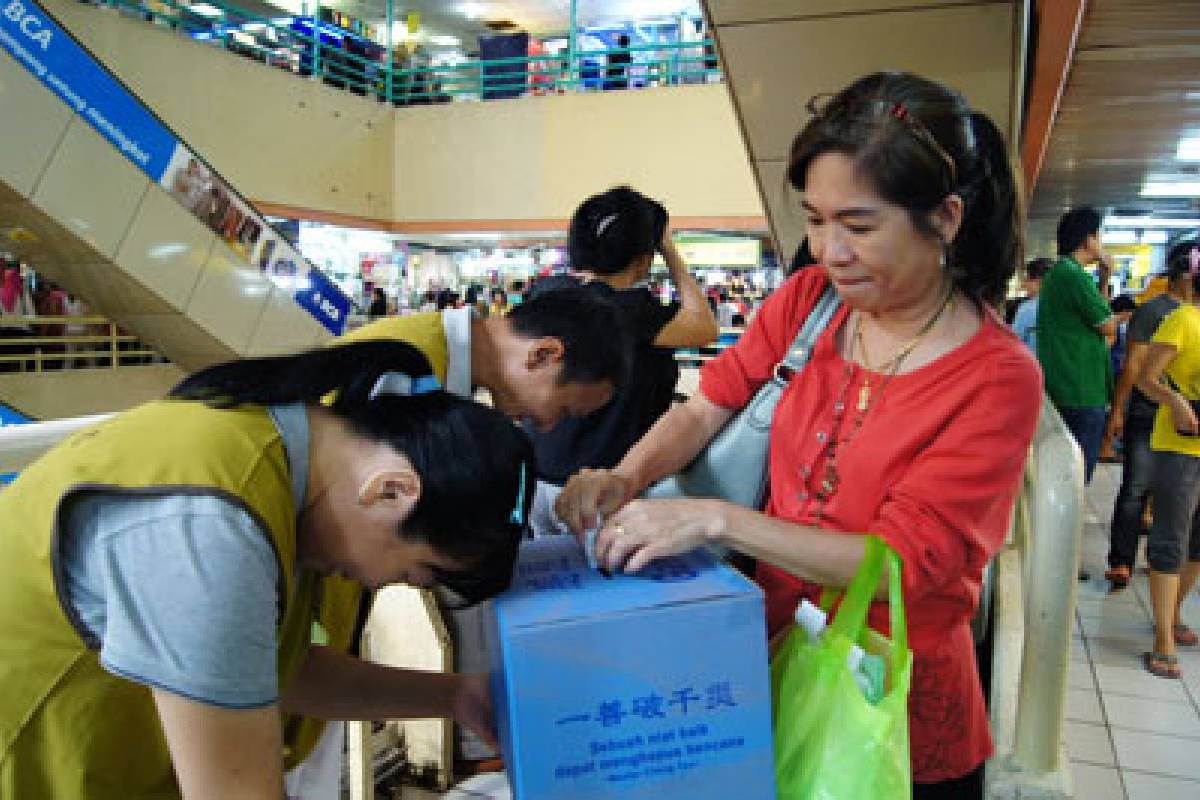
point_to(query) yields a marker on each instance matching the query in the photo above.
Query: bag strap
(762, 407)
(818, 320)
(856, 601)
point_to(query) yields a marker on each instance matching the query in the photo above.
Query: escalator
(99, 195)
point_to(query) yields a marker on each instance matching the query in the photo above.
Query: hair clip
(604, 223)
(1194, 261)
(398, 383)
(518, 513)
(900, 111)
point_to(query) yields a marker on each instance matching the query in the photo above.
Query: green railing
(345, 60)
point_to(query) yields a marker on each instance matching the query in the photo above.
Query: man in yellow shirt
(558, 355)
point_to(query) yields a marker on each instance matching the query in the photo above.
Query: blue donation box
(637, 686)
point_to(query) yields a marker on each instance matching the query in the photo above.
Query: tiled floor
(1130, 736)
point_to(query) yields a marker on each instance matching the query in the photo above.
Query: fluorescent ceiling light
(1150, 222)
(1154, 237)
(205, 10)
(1189, 149)
(1119, 236)
(1171, 189)
(445, 41)
(254, 26)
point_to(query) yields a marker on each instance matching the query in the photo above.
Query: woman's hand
(589, 495)
(472, 707)
(645, 530)
(1184, 416)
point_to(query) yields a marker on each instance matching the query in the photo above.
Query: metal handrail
(666, 63)
(1035, 590)
(46, 347)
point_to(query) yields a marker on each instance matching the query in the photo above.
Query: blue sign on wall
(59, 62)
(53, 56)
(324, 300)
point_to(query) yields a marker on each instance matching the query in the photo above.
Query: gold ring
(618, 530)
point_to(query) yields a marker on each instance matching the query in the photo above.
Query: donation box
(651, 686)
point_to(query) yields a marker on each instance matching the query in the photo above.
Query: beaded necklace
(831, 476)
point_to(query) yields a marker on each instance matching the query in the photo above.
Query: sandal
(1161, 665)
(1184, 636)
(1118, 576)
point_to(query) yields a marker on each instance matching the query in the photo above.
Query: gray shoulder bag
(733, 465)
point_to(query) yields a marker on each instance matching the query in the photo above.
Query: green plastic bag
(830, 742)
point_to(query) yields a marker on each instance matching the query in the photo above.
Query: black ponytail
(917, 142)
(989, 247)
(477, 468)
(351, 370)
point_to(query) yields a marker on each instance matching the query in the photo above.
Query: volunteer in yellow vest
(159, 572)
(546, 359)
(1170, 376)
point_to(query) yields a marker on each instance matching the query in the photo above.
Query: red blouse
(933, 470)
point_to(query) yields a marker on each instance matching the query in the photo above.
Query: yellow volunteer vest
(341, 599)
(69, 730)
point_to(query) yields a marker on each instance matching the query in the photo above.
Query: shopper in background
(51, 303)
(379, 304)
(1074, 326)
(499, 305)
(1170, 376)
(15, 301)
(617, 73)
(611, 243)
(448, 298)
(1132, 419)
(1025, 319)
(158, 572)
(911, 421)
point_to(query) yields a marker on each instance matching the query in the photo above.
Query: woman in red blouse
(912, 419)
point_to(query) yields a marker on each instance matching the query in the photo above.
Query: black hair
(447, 298)
(1180, 260)
(1075, 227)
(611, 229)
(1038, 267)
(802, 258)
(595, 341)
(918, 141)
(474, 463)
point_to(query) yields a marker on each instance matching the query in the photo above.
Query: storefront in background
(409, 269)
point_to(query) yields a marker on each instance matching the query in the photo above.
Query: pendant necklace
(831, 475)
(893, 364)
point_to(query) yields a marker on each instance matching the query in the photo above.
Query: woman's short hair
(611, 229)
(1037, 268)
(917, 142)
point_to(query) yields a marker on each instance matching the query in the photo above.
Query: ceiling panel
(1132, 93)
(736, 12)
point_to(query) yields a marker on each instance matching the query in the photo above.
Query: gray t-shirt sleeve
(181, 593)
(1146, 319)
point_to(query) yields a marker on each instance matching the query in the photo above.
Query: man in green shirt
(1074, 326)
